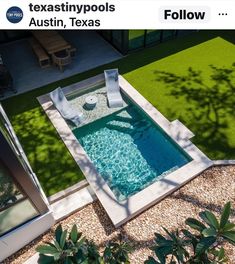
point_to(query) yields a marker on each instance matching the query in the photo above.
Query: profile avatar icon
(14, 14)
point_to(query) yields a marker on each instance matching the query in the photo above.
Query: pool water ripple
(129, 151)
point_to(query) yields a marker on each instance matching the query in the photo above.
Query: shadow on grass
(48, 156)
(125, 65)
(210, 106)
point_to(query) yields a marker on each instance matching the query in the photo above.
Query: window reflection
(153, 36)
(15, 207)
(9, 192)
(117, 38)
(136, 39)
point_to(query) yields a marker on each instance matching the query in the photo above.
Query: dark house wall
(127, 41)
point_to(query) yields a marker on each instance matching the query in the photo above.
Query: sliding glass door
(15, 207)
(21, 198)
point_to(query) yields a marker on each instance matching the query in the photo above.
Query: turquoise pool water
(129, 151)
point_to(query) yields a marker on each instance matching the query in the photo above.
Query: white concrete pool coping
(120, 212)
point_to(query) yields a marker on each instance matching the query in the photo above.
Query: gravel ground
(211, 190)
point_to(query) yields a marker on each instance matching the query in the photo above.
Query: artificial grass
(191, 105)
(50, 158)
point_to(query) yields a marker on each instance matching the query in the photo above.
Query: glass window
(16, 34)
(136, 39)
(15, 207)
(107, 34)
(3, 37)
(9, 192)
(153, 36)
(117, 38)
(8, 132)
(168, 34)
(184, 32)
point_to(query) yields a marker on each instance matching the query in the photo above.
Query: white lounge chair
(65, 108)
(113, 89)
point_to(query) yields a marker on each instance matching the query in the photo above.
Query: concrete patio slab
(64, 193)
(70, 203)
(92, 51)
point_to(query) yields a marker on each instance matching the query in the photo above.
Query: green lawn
(170, 86)
(162, 75)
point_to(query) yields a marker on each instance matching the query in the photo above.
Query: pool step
(178, 129)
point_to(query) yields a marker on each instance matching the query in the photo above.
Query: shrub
(116, 253)
(72, 248)
(203, 246)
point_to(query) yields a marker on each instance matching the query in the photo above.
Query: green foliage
(194, 223)
(225, 215)
(219, 255)
(41, 142)
(174, 245)
(117, 253)
(72, 248)
(202, 247)
(93, 254)
(66, 248)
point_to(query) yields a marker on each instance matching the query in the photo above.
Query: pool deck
(120, 212)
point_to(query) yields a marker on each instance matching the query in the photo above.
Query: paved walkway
(92, 51)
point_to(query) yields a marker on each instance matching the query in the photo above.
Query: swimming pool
(132, 157)
(129, 151)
